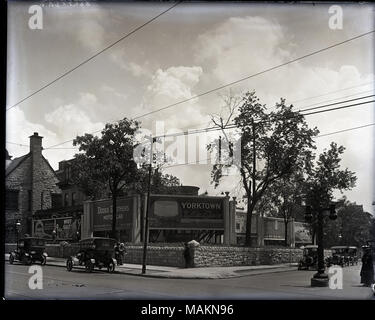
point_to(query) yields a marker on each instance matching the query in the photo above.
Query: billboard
(65, 228)
(103, 213)
(186, 212)
(302, 232)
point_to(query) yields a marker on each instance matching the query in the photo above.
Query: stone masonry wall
(209, 256)
(205, 256)
(18, 179)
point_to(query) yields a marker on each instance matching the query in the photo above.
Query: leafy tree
(273, 146)
(108, 161)
(282, 199)
(326, 177)
(351, 228)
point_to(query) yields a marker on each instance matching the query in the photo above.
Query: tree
(108, 160)
(273, 146)
(282, 200)
(351, 228)
(326, 177)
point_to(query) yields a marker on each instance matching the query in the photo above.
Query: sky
(191, 49)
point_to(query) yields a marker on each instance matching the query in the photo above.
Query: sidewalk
(187, 273)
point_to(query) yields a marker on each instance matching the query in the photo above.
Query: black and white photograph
(189, 151)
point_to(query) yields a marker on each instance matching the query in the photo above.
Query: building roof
(15, 163)
(7, 156)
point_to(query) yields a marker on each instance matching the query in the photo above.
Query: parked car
(28, 251)
(94, 252)
(310, 258)
(339, 256)
(353, 255)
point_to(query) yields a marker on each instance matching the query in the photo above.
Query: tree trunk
(248, 239)
(286, 232)
(114, 214)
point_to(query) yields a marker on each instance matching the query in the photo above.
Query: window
(66, 200)
(238, 226)
(11, 199)
(74, 198)
(56, 199)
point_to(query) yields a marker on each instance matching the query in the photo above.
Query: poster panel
(182, 212)
(103, 211)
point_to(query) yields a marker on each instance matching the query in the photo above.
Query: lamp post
(145, 240)
(320, 279)
(18, 227)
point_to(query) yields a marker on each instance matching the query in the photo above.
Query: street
(58, 283)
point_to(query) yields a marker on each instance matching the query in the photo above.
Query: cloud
(71, 120)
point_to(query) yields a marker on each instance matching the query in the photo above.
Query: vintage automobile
(94, 252)
(339, 256)
(29, 250)
(352, 253)
(310, 258)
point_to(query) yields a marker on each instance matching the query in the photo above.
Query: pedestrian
(187, 255)
(122, 252)
(367, 270)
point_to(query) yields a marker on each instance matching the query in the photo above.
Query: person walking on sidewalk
(188, 256)
(367, 270)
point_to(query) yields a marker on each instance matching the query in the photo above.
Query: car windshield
(338, 250)
(37, 242)
(104, 244)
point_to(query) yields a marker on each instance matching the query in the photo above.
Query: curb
(168, 275)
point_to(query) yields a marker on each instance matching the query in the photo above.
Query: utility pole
(145, 240)
(254, 159)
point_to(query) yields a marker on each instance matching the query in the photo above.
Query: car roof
(339, 247)
(96, 238)
(311, 246)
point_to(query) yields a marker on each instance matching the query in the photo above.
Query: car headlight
(32, 252)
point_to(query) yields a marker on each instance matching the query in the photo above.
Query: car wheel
(27, 261)
(11, 259)
(111, 267)
(43, 260)
(69, 265)
(89, 266)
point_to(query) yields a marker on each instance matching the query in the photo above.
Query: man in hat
(367, 270)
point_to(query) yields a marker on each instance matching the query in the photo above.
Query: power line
(336, 103)
(347, 96)
(319, 136)
(243, 79)
(254, 75)
(328, 93)
(93, 56)
(345, 130)
(231, 126)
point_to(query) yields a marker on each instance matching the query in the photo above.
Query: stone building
(31, 185)
(62, 221)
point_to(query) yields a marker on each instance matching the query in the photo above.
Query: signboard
(65, 228)
(184, 212)
(302, 232)
(103, 214)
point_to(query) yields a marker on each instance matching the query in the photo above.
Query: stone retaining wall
(204, 256)
(209, 256)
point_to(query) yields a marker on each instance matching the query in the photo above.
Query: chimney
(36, 171)
(36, 143)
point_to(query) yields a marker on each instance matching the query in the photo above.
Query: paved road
(61, 284)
